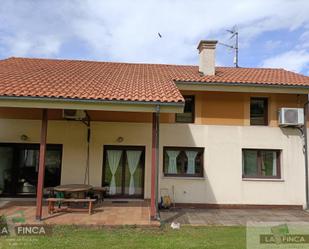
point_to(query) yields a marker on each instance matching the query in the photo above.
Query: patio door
(19, 168)
(123, 171)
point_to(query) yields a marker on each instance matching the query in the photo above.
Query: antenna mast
(234, 33)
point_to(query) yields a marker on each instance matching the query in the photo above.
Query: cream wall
(222, 183)
(73, 136)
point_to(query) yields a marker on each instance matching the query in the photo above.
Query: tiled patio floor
(137, 213)
(232, 217)
(109, 213)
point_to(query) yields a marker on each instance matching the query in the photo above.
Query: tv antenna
(234, 35)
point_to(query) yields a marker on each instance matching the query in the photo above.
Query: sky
(272, 33)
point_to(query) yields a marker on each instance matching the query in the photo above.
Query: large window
(261, 163)
(188, 115)
(259, 111)
(182, 161)
(19, 165)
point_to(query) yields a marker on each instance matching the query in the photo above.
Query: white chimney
(207, 51)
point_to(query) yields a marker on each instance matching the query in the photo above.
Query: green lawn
(126, 237)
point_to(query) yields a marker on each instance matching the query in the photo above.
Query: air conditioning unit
(74, 114)
(291, 117)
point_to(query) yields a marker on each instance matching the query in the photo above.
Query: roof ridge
(137, 63)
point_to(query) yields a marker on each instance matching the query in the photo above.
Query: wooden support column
(40, 185)
(154, 166)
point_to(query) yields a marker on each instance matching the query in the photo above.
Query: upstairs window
(188, 115)
(258, 111)
(182, 161)
(259, 163)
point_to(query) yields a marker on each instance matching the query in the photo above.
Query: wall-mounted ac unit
(74, 114)
(291, 117)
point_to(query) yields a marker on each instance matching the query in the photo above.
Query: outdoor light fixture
(24, 137)
(119, 139)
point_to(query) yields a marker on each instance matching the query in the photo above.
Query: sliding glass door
(19, 168)
(123, 171)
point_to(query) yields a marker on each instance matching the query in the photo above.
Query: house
(208, 136)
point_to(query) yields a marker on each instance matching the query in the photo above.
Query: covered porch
(88, 138)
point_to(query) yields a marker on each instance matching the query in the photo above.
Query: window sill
(183, 177)
(262, 180)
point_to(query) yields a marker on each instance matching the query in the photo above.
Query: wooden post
(154, 166)
(40, 185)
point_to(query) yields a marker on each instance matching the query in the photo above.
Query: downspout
(87, 123)
(306, 151)
(157, 161)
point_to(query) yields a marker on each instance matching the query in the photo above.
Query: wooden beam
(154, 166)
(40, 185)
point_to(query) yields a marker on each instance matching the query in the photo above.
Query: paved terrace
(137, 213)
(232, 217)
(109, 214)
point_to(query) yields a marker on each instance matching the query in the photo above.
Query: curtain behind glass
(269, 163)
(113, 157)
(172, 161)
(191, 161)
(133, 158)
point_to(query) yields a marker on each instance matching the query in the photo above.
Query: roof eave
(242, 87)
(91, 104)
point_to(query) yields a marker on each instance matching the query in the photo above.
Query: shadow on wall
(291, 131)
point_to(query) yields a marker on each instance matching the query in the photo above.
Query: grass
(128, 237)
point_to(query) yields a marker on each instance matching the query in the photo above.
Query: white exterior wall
(222, 183)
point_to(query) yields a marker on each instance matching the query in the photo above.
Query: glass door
(27, 170)
(123, 171)
(6, 173)
(19, 168)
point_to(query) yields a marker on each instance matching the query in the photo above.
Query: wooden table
(71, 188)
(77, 194)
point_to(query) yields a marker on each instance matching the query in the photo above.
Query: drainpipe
(306, 151)
(157, 161)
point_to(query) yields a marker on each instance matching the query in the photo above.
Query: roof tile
(122, 81)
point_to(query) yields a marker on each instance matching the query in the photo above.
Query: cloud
(295, 60)
(123, 30)
(271, 44)
(23, 45)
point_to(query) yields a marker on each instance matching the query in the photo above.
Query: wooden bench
(99, 193)
(51, 204)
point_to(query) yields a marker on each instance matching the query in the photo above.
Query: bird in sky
(159, 35)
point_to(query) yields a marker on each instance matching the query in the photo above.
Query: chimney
(207, 49)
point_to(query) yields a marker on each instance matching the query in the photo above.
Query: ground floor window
(183, 161)
(258, 163)
(19, 165)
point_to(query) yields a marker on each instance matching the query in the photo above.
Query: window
(188, 115)
(259, 111)
(261, 163)
(182, 161)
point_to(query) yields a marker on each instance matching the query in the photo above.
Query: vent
(291, 117)
(74, 114)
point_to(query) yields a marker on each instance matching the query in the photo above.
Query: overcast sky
(272, 33)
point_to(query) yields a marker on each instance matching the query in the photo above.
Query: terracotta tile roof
(261, 76)
(121, 81)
